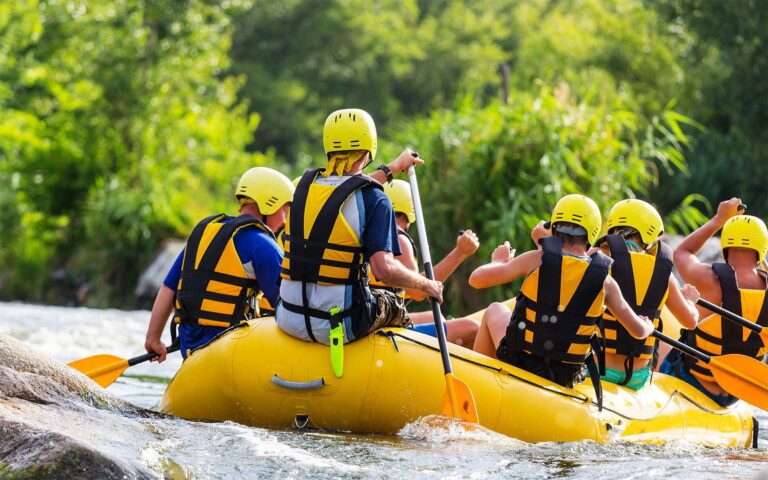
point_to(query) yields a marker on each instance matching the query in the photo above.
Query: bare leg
(462, 331)
(418, 318)
(492, 329)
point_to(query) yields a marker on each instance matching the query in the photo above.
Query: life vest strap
(321, 261)
(206, 276)
(313, 312)
(731, 334)
(594, 375)
(408, 237)
(195, 278)
(622, 270)
(591, 284)
(623, 273)
(324, 279)
(313, 244)
(319, 244)
(554, 340)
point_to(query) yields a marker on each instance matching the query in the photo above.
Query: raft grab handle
(311, 385)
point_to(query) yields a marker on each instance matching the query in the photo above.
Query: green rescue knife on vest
(336, 341)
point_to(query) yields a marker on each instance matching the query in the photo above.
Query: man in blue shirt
(340, 223)
(227, 260)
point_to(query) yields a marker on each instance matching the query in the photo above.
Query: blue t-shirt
(379, 228)
(259, 252)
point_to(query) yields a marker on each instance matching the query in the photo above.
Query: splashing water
(432, 447)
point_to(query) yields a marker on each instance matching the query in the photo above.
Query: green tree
(725, 54)
(500, 169)
(305, 58)
(118, 127)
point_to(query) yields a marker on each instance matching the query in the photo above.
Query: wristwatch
(386, 171)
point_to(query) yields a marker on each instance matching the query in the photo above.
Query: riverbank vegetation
(123, 123)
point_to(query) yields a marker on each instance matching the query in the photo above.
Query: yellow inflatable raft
(257, 375)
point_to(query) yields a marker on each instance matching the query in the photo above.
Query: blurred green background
(123, 122)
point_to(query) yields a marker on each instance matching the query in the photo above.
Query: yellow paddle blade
(464, 406)
(102, 369)
(743, 377)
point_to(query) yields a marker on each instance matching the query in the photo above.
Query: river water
(179, 449)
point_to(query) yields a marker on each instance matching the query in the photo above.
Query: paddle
(458, 400)
(105, 369)
(760, 330)
(741, 376)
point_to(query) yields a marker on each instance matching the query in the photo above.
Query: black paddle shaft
(730, 316)
(150, 355)
(422, 230)
(682, 347)
(438, 317)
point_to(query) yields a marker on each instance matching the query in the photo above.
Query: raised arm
(504, 267)
(466, 246)
(398, 165)
(691, 269)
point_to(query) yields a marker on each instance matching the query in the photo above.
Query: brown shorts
(390, 310)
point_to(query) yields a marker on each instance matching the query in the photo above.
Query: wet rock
(33, 390)
(152, 278)
(29, 375)
(710, 252)
(27, 452)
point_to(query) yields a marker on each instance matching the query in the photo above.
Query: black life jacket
(541, 325)
(632, 270)
(718, 336)
(326, 252)
(214, 289)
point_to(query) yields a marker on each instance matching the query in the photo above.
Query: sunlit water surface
(180, 449)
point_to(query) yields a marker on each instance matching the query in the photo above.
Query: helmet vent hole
(271, 201)
(623, 219)
(576, 217)
(559, 216)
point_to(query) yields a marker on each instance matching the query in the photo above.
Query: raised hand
(467, 243)
(503, 253)
(690, 293)
(407, 158)
(728, 209)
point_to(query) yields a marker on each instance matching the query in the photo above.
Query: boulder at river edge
(33, 387)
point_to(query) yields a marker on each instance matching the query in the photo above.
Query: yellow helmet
(296, 181)
(580, 210)
(745, 231)
(399, 192)
(639, 215)
(269, 188)
(349, 129)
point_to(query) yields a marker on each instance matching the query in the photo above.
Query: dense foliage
(117, 129)
(123, 122)
(499, 169)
